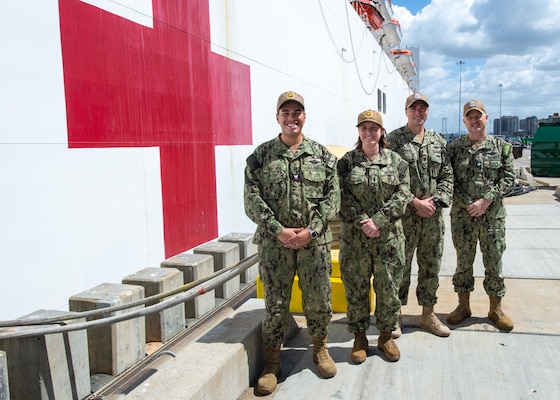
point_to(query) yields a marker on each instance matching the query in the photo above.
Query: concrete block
(163, 325)
(114, 347)
(4, 385)
(236, 351)
(524, 175)
(54, 366)
(225, 255)
(246, 249)
(194, 267)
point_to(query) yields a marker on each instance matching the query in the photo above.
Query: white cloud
(514, 43)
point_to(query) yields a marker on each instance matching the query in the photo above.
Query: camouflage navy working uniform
(377, 189)
(430, 175)
(293, 190)
(485, 171)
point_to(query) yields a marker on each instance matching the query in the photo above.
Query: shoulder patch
(253, 162)
(342, 166)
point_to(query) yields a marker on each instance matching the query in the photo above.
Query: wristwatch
(313, 234)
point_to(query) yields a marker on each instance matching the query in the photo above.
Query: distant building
(554, 118)
(507, 125)
(529, 125)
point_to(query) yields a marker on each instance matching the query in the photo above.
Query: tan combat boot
(462, 311)
(386, 344)
(271, 371)
(497, 315)
(359, 349)
(431, 322)
(321, 357)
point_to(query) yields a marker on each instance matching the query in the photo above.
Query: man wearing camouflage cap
(431, 186)
(291, 192)
(484, 175)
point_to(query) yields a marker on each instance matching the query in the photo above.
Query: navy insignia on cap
(290, 95)
(472, 103)
(368, 114)
(416, 95)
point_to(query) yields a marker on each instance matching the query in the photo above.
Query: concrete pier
(161, 326)
(194, 267)
(115, 347)
(246, 249)
(218, 363)
(225, 255)
(53, 366)
(4, 384)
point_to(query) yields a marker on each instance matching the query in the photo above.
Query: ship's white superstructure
(125, 125)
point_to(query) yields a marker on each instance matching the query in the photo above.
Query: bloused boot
(359, 349)
(462, 311)
(387, 345)
(321, 357)
(271, 371)
(397, 332)
(431, 322)
(496, 314)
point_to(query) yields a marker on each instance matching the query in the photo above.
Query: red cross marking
(128, 85)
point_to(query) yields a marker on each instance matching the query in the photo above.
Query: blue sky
(412, 5)
(515, 43)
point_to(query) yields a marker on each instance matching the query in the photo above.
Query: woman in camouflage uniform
(375, 186)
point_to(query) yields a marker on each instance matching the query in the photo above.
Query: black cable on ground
(519, 189)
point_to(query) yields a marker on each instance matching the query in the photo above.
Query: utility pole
(500, 124)
(460, 63)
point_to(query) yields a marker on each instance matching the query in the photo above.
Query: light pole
(459, 63)
(500, 123)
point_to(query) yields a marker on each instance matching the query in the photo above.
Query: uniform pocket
(435, 164)
(314, 180)
(274, 181)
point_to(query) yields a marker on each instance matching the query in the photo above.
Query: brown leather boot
(359, 349)
(321, 357)
(271, 371)
(462, 311)
(431, 322)
(386, 344)
(496, 314)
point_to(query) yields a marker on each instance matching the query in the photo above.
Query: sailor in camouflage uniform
(484, 175)
(291, 192)
(374, 184)
(431, 186)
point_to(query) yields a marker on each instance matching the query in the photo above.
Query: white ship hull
(125, 129)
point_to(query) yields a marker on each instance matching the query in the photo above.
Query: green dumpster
(545, 150)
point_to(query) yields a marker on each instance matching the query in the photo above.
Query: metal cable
(212, 281)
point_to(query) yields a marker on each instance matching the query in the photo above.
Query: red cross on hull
(128, 85)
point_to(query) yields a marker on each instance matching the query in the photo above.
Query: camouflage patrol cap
(289, 96)
(473, 105)
(370, 115)
(413, 98)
